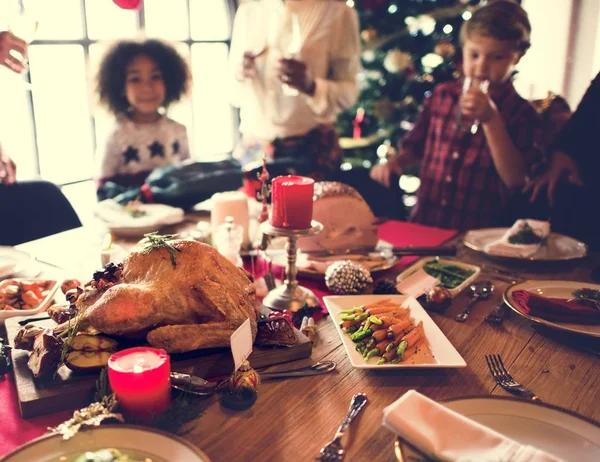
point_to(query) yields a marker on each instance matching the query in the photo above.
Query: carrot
(394, 311)
(377, 303)
(399, 329)
(380, 335)
(389, 355)
(389, 321)
(414, 335)
(381, 346)
(348, 323)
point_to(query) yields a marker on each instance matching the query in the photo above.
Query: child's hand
(382, 172)
(477, 105)
(9, 42)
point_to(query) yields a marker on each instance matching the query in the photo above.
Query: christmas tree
(408, 47)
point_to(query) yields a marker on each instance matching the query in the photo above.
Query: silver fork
(333, 451)
(502, 377)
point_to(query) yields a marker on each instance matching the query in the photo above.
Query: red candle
(292, 202)
(140, 379)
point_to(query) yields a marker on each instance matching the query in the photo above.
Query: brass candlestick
(290, 295)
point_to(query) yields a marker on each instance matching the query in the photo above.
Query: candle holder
(290, 295)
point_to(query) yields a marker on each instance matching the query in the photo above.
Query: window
(52, 127)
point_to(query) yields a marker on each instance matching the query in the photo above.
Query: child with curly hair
(137, 81)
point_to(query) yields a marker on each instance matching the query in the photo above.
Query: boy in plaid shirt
(475, 146)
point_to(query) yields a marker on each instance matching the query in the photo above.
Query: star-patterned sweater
(133, 150)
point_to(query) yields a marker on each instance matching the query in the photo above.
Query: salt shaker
(228, 239)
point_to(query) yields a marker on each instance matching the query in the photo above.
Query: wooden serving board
(71, 390)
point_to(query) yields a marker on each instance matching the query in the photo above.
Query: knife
(397, 251)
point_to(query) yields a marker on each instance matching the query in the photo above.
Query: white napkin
(503, 248)
(446, 435)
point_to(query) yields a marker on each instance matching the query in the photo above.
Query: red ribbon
(147, 193)
(128, 4)
(359, 119)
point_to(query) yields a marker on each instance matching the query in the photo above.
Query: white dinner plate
(155, 445)
(444, 353)
(43, 306)
(555, 289)
(558, 247)
(454, 292)
(10, 260)
(315, 268)
(121, 223)
(554, 430)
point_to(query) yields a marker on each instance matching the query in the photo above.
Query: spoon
(201, 387)
(480, 290)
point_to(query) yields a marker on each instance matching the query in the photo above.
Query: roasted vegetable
(26, 336)
(85, 361)
(45, 358)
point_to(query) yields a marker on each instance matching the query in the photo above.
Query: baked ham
(347, 219)
(195, 304)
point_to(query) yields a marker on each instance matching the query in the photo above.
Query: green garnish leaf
(526, 235)
(157, 241)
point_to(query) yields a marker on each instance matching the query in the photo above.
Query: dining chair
(31, 210)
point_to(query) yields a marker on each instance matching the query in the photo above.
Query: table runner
(15, 431)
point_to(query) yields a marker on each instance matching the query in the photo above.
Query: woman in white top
(307, 47)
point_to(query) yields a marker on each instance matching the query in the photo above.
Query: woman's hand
(382, 172)
(8, 169)
(8, 43)
(561, 165)
(477, 105)
(294, 74)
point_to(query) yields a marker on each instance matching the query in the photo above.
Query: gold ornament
(445, 49)
(370, 33)
(244, 377)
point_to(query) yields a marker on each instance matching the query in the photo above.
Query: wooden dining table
(293, 418)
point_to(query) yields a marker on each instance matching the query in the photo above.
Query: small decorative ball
(244, 377)
(370, 33)
(347, 277)
(438, 299)
(397, 61)
(385, 286)
(445, 49)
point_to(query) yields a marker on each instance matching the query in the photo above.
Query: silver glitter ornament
(346, 277)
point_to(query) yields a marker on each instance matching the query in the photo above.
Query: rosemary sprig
(157, 241)
(587, 296)
(69, 334)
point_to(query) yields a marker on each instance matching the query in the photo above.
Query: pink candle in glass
(140, 379)
(292, 202)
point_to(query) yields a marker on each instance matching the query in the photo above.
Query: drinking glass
(464, 123)
(293, 51)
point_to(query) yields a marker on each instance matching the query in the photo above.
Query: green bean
(371, 353)
(390, 347)
(360, 334)
(375, 320)
(348, 317)
(401, 348)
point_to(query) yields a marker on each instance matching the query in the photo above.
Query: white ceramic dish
(41, 307)
(561, 433)
(454, 292)
(444, 352)
(557, 289)
(10, 260)
(558, 247)
(121, 223)
(157, 446)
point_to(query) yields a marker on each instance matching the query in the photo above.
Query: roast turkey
(347, 219)
(186, 298)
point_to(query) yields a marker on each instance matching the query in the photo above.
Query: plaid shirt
(460, 187)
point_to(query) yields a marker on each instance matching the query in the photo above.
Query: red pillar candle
(292, 202)
(140, 379)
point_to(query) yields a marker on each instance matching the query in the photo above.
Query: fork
(333, 451)
(503, 378)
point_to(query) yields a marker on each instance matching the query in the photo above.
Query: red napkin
(555, 309)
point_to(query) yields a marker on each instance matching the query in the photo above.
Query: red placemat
(16, 431)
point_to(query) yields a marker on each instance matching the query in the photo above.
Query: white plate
(558, 247)
(315, 269)
(457, 290)
(557, 289)
(443, 351)
(156, 445)
(558, 432)
(41, 307)
(121, 223)
(10, 259)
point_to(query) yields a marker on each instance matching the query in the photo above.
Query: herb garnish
(587, 296)
(69, 334)
(526, 235)
(157, 241)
